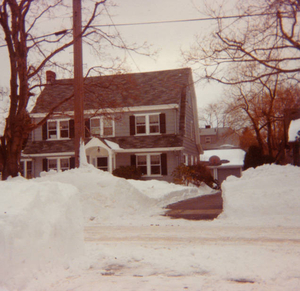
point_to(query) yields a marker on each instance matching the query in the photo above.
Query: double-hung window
(149, 164)
(58, 129)
(102, 126)
(59, 164)
(147, 124)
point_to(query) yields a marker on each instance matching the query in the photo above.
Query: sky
(167, 39)
(85, 229)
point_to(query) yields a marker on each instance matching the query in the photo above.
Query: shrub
(195, 175)
(128, 172)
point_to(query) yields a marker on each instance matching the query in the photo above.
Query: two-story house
(148, 120)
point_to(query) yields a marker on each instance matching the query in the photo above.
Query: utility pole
(78, 80)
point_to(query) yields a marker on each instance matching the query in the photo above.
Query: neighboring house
(213, 138)
(292, 137)
(148, 120)
(224, 162)
(221, 152)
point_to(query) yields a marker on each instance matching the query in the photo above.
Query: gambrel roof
(118, 91)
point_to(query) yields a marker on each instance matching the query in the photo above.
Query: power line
(159, 22)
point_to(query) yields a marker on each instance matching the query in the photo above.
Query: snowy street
(92, 231)
(197, 257)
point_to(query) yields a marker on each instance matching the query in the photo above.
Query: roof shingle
(118, 91)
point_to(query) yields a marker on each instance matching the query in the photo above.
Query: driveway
(205, 207)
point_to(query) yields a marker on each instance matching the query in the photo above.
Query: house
(213, 138)
(224, 162)
(148, 120)
(221, 152)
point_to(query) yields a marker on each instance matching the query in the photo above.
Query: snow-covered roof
(294, 129)
(234, 156)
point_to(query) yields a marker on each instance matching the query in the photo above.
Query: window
(59, 164)
(102, 126)
(147, 124)
(149, 164)
(95, 126)
(58, 129)
(186, 159)
(26, 169)
(207, 139)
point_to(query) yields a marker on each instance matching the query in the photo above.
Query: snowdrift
(41, 228)
(267, 196)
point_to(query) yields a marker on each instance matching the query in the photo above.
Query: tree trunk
(12, 143)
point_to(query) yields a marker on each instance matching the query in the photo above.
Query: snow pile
(267, 195)
(109, 199)
(41, 229)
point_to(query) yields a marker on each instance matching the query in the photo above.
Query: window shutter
(45, 165)
(132, 124)
(71, 128)
(87, 128)
(44, 131)
(162, 120)
(72, 163)
(164, 168)
(133, 160)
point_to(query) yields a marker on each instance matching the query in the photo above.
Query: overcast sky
(168, 39)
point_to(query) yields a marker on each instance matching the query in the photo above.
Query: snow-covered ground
(85, 229)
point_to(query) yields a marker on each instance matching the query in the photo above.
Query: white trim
(149, 150)
(48, 155)
(110, 110)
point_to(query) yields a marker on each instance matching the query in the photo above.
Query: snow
(294, 129)
(84, 229)
(234, 156)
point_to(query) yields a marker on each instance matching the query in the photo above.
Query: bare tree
(30, 55)
(264, 33)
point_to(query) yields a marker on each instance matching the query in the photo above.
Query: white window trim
(147, 123)
(58, 134)
(148, 164)
(186, 159)
(102, 118)
(24, 161)
(58, 164)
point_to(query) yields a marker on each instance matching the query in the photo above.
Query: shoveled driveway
(205, 207)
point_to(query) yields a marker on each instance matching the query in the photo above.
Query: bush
(128, 172)
(195, 175)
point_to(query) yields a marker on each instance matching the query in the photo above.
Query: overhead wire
(157, 22)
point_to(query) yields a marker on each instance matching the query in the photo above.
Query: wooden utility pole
(78, 79)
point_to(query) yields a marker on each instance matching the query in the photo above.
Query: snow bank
(41, 229)
(267, 195)
(109, 199)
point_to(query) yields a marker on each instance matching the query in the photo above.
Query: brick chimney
(50, 77)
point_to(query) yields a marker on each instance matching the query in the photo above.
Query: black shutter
(72, 163)
(45, 165)
(87, 128)
(132, 124)
(71, 128)
(133, 160)
(162, 120)
(44, 131)
(164, 167)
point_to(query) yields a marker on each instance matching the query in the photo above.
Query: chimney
(50, 77)
(207, 126)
